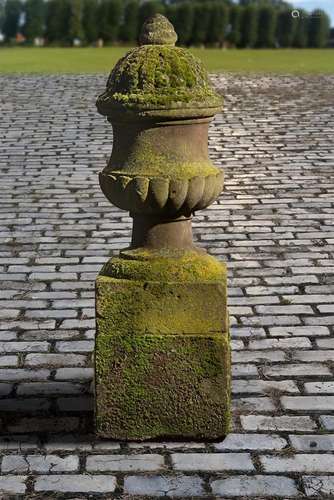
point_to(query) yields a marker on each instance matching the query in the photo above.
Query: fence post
(162, 357)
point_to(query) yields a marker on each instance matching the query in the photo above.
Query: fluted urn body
(160, 102)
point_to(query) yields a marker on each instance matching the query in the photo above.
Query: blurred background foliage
(199, 23)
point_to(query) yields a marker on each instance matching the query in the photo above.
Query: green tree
(266, 26)
(302, 28)
(34, 19)
(183, 21)
(234, 26)
(218, 23)
(75, 28)
(170, 11)
(90, 20)
(2, 13)
(249, 25)
(13, 9)
(286, 28)
(148, 9)
(201, 23)
(319, 27)
(130, 27)
(110, 14)
(57, 20)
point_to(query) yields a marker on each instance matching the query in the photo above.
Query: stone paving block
(263, 386)
(237, 331)
(124, 463)
(270, 320)
(255, 486)
(308, 331)
(308, 403)
(303, 463)
(70, 442)
(251, 442)
(170, 445)
(24, 405)
(13, 485)
(5, 389)
(244, 370)
(17, 464)
(314, 442)
(212, 462)
(18, 442)
(76, 483)
(327, 421)
(8, 361)
(165, 486)
(258, 356)
(319, 320)
(9, 313)
(23, 374)
(285, 309)
(320, 355)
(319, 387)
(8, 347)
(318, 486)
(325, 343)
(76, 404)
(278, 424)
(254, 405)
(40, 424)
(293, 343)
(298, 370)
(77, 346)
(48, 388)
(79, 374)
(55, 360)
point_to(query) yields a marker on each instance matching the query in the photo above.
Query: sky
(309, 5)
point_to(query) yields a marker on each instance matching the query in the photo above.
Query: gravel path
(273, 225)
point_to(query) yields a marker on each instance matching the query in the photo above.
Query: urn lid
(159, 79)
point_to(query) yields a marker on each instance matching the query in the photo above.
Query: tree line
(215, 23)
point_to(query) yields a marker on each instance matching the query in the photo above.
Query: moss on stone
(155, 386)
(158, 76)
(138, 307)
(166, 265)
(157, 30)
(151, 164)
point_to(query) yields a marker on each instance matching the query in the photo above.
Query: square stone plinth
(162, 360)
(138, 307)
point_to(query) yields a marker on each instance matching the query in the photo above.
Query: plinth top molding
(158, 79)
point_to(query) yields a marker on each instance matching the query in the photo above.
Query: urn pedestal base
(162, 349)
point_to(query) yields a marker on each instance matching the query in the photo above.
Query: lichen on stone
(157, 30)
(171, 265)
(155, 386)
(153, 76)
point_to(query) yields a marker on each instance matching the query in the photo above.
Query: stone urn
(162, 357)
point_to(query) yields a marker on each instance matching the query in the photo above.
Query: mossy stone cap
(159, 76)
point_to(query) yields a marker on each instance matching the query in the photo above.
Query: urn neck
(152, 232)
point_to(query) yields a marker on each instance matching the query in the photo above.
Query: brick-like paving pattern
(274, 227)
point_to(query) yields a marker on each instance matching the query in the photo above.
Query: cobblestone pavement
(274, 227)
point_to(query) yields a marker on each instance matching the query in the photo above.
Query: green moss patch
(159, 75)
(156, 386)
(133, 307)
(165, 265)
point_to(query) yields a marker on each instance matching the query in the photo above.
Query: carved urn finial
(157, 30)
(159, 101)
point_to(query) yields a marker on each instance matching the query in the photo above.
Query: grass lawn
(92, 60)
